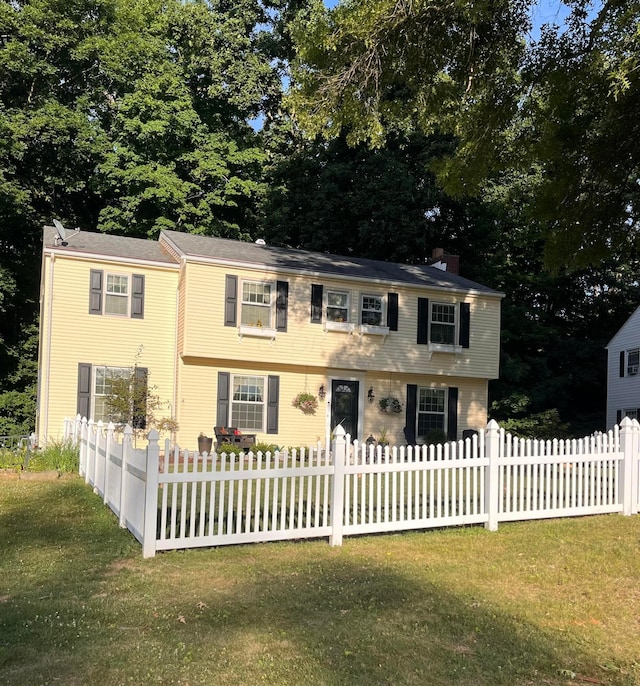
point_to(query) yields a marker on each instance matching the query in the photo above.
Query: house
(229, 333)
(623, 372)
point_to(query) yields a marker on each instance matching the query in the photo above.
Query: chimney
(451, 262)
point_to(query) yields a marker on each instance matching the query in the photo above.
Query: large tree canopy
(560, 111)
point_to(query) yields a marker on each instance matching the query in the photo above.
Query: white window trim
(257, 331)
(444, 413)
(330, 324)
(632, 369)
(264, 401)
(106, 293)
(444, 347)
(373, 329)
(94, 379)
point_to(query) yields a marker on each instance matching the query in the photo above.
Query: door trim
(349, 376)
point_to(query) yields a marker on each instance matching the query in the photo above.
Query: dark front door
(344, 406)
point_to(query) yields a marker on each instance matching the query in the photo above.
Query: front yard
(543, 602)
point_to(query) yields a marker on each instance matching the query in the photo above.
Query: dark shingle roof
(108, 245)
(324, 263)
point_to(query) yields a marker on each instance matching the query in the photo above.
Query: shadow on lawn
(280, 614)
(364, 623)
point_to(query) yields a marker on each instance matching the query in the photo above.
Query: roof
(224, 250)
(94, 243)
(628, 323)
(231, 251)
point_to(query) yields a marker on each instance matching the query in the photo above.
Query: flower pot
(204, 444)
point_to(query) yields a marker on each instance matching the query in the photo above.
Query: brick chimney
(452, 262)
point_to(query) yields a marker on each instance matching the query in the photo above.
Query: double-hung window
(338, 305)
(372, 310)
(256, 304)
(116, 295)
(104, 380)
(248, 402)
(442, 324)
(431, 410)
(633, 361)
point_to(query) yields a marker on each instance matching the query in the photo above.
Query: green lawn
(548, 602)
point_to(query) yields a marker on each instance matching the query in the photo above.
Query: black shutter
(412, 403)
(622, 363)
(84, 390)
(392, 311)
(95, 292)
(140, 384)
(273, 393)
(137, 296)
(452, 414)
(230, 305)
(423, 320)
(222, 409)
(282, 302)
(465, 320)
(316, 303)
(618, 416)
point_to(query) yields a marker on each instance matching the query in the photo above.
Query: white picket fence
(180, 499)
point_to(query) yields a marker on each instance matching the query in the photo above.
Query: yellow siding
(199, 390)
(308, 344)
(76, 336)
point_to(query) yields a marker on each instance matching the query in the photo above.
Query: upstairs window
(372, 310)
(256, 304)
(338, 306)
(116, 295)
(442, 324)
(633, 361)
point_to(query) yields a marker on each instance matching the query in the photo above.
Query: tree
(560, 111)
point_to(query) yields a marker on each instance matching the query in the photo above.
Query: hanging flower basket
(390, 405)
(307, 402)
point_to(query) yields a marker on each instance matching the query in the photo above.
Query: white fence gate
(181, 499)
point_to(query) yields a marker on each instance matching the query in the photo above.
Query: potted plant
(307, 402)
(390, 405)
(204, 444)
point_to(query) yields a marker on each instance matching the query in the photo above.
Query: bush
(265, 448)
(12, 458)
(229, 449)
(59, 455)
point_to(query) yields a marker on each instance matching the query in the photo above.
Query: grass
(547, 602)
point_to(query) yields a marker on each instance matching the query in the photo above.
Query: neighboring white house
(623, 372)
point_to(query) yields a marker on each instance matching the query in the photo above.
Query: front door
(344, 406)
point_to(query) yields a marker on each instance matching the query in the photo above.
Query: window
(633, 361)
(371, 313)
(632, 414)
(116, 296)
(337, 306)
(248, 402)
(442, 326)
(256, 304)
(104, 378)
(431, 410)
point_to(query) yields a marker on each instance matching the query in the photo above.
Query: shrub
(229, 449)
(265, 448)
(59, 455)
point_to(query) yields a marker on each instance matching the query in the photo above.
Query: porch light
(371, 395)
(322, 392)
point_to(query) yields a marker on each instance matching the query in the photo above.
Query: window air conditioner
(632, 370)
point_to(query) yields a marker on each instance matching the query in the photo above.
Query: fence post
(90, 476)
(337, 490)
(151, 495)
(83, 447)
(126, 449)
(491, 475)
(629, 430)
(98, 476)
